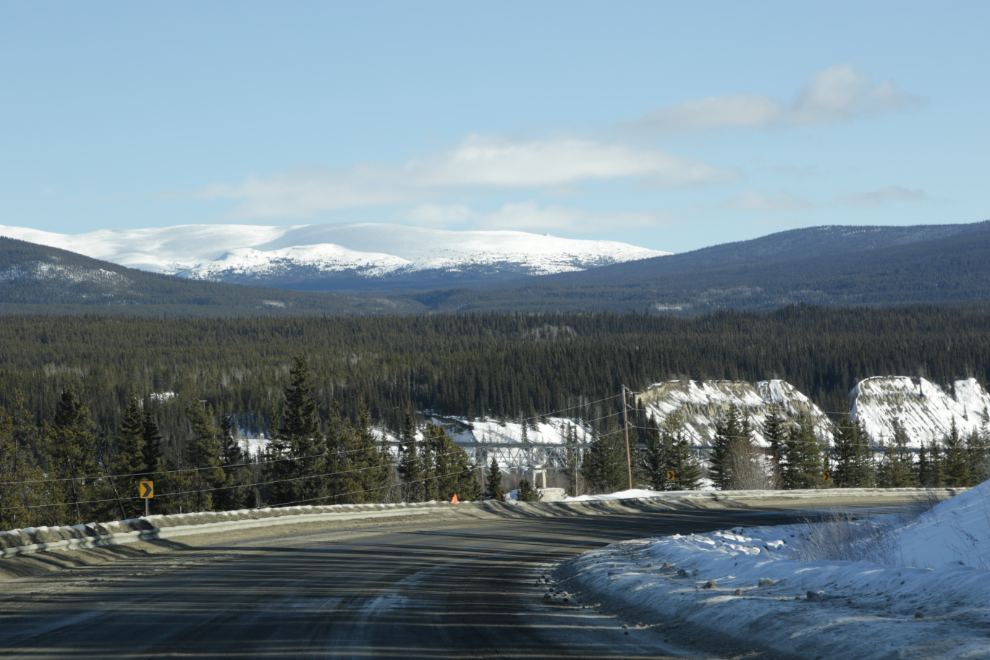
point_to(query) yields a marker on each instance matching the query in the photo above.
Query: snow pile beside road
(633, 494)
(956, 531)
(750, 586)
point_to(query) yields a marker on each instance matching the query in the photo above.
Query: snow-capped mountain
(337, 255)
(922, 408)
(700, 405)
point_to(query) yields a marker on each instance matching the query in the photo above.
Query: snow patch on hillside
(700, 405)
(922, 408)
(324, 258)
(538, 446)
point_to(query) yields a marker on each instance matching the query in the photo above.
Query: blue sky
(668, 125)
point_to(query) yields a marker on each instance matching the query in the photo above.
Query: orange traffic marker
(454, 500)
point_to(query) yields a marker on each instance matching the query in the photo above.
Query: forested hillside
(821, 266)
(36, 279)
(501, 365)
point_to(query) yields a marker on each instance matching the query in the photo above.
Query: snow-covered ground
(539, 444)
(911, 587)
(922, 408)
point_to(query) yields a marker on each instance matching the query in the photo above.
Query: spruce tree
(410, 466)
(232, 461)
(604, 466)
(936, 461)
(853, 467)
(343, 462)
(151, 446)
(957, 472)
(803, 457)
(70, 444)
(572, 461)
(684, 464)
(300, 436)
(775, 432)
(374, 462)
(896, 467)
(203, 455)
(924, 467)
(654, 457)
(128, 465)
(732, 436)
(452, 473)
(526, 492)
(978, 449)
(16, 496)
(493, 483)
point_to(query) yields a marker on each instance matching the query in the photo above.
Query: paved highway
(451, 586)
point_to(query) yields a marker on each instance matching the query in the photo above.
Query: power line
(211, 490)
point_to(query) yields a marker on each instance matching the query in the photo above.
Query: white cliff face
(700, 405)
(922, 408)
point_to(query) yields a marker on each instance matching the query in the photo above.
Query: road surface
(444, 586)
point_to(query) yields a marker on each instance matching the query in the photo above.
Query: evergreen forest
(93, 402)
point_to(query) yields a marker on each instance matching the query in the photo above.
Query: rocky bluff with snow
(701, 404)
(923, 409)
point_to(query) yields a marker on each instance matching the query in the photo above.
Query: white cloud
(530, 216)
(477, 162)
(837, 94)
(438, 215)
(880, 196)
(751, 200)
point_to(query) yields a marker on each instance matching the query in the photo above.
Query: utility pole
(625, 421)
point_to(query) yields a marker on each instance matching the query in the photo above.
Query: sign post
(147, 491)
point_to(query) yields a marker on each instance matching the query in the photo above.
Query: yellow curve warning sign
(147, 490)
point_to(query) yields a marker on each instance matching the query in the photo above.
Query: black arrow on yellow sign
(147, 490)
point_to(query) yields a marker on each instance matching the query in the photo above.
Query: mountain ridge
(334, 257)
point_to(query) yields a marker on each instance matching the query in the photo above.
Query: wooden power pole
(625, 421)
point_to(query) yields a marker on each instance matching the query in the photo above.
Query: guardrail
(93, 535)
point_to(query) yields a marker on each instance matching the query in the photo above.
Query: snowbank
(635, 493)
(752, 586)
(955, 532)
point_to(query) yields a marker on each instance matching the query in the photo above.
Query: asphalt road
(447, 587)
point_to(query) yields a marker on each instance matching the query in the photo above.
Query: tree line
(60, 472)
(795, 458)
